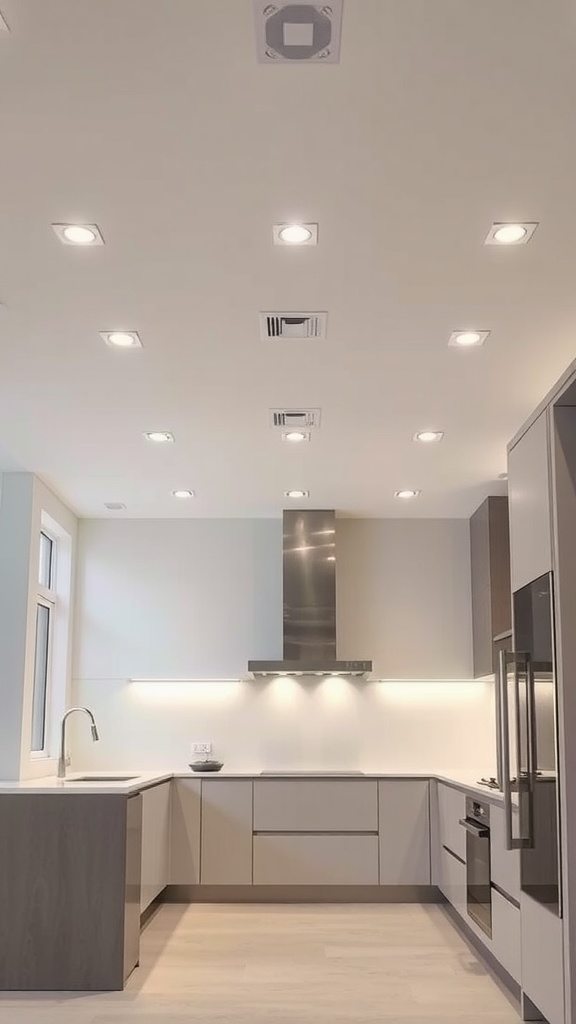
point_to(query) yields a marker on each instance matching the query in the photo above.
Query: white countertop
(465, 780)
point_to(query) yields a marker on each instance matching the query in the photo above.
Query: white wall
(24, 499)
(196, 598)
(16, 510)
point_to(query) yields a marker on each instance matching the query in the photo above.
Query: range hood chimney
(309, 600)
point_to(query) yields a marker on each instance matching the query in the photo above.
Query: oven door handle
(479, 831)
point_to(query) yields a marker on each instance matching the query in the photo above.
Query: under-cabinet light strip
(190, 679)
(271, 675)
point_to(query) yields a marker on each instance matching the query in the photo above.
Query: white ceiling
(156, 121)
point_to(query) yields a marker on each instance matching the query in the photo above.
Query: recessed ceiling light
(406, 494)
(159, 436)
(296, 436)
(183, 494)
(467, 339)
(429, 436)
(295, 234)
(502, 476)
(296, 494)
(114, 506)
(511, 234)
(79, 234)
(122, 339)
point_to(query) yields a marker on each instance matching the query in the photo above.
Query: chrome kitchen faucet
(63, 761)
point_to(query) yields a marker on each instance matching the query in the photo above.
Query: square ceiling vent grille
(298, 33)
(291, 326)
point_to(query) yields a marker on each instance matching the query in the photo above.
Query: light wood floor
(254, 964)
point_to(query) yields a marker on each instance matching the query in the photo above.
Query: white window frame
(48, 598)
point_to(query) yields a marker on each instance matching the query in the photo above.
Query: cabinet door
(132, 891)
(529, 498)
(315, 805)
(185, 833)
(542, 959)
(451, 807)
(315, 859)
(404, 832)
(155, 842)
(504, 864)
(226, 847)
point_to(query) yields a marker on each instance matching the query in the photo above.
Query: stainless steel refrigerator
(528, 743)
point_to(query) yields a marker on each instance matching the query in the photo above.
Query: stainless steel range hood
(309, 600)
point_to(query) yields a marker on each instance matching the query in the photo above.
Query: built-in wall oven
(478, 887)
(528, 747)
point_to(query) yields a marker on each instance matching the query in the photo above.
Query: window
(45, 604)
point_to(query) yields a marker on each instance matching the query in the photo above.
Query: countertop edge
(146, 780)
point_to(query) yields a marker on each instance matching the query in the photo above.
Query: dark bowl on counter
(206, 766)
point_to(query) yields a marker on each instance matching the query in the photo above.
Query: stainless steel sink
(103, 778)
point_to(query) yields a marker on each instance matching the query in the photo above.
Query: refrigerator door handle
(530, 747)
(499, 729)
(502, 704)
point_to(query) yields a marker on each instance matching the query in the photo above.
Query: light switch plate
(201, 748)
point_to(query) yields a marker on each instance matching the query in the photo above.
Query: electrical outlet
(201, 748)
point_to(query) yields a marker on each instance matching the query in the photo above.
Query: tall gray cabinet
(542, 496)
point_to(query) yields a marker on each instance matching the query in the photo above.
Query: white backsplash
(289, 723)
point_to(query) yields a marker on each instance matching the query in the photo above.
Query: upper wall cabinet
(491, 591)
(530, 518)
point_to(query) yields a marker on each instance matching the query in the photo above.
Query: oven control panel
(477, 810)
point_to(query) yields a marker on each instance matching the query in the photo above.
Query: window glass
(45, 570)
(40, 694)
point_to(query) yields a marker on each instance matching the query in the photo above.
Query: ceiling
(155, 121)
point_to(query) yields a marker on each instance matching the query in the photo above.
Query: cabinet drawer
(452, 881)
(504, 864)
(452, 807)
(315, 860)
(506, 936)
(315, 805)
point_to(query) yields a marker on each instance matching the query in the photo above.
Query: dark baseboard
(300, 894)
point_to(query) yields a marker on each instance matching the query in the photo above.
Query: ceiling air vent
(292, 418)
(289, 326)
(291, 33)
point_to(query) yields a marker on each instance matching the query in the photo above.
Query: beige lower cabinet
(504, 864)
(452, 881)
(345, 859)
(185, 844)
(451, 804)
(315, 805)
(404, 832)
(542, 959)
(156, 826)
(506, 938)
(226, 832)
